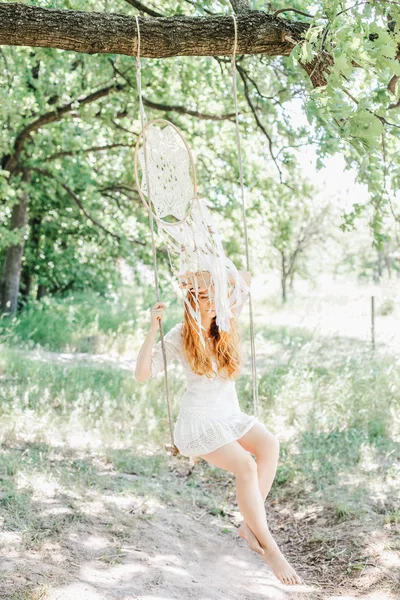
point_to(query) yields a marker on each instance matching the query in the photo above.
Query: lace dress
(210, 414)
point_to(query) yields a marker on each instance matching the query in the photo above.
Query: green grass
(82, 321)
(334, 405)
(65, 400)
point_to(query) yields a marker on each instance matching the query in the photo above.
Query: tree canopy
(69, 207)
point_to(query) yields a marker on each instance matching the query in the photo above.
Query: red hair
(226, 347)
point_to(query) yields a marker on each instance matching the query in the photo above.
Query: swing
(166, 161)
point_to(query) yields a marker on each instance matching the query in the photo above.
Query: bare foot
(246, 533)
(274, 558)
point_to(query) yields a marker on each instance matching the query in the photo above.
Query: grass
(82, 321)
(42, 400)
(333, 403)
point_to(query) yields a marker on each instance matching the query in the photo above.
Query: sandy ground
(109, 546)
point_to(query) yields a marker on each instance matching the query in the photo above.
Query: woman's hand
(157, 313)
(143, 362)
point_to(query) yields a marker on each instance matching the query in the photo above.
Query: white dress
(210, 414)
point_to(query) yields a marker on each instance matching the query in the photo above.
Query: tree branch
(122, 188)
(186, 111)
(173, 107)
(94, 32)
(240, 6)
(381, 119)
(144, 9)
(243, 77)
(194, 4)
(78, 201)
(300, 12)
(51, 117)
(86, 150)
(392, 88)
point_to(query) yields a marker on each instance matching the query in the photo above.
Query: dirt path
(122, 536)
(127, 548)
(175, 556)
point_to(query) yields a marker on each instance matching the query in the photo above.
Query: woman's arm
(143, 361)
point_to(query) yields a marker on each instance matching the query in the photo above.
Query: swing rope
(171, 448)
(246, 240)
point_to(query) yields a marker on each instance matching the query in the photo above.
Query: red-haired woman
(210, 424)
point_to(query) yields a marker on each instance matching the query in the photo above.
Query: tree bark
(11, 274)
(94, 32)
(161, 37)
(240, 6)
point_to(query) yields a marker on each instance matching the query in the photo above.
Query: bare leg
(265, 446)
(234, 458)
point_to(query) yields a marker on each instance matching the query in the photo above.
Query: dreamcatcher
(166, 161)
(168, 188)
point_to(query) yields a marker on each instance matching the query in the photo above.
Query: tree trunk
(283, 277)
(25, 288)
(42, 291)
(34, 243)
(10, 278)
(291, 281)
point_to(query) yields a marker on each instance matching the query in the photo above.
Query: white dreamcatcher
(166, 163)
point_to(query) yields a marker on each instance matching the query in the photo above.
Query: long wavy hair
(226, 347)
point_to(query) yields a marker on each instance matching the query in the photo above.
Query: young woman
(210, 423)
